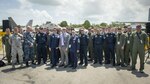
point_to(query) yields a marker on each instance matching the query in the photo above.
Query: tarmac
(93, 74)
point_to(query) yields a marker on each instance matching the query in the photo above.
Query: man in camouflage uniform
(28, 45)
(5, 40)
(16, 47)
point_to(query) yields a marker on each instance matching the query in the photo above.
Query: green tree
(64, 24)
(103, 24)
(95, 26)
(36, 25)
(117, 24)
(0, 27)
(86, 24)
(75, 25)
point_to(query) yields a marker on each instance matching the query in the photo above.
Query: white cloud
(133, 11)
(100, 10)
(46, 2)
(144, 2)
(76, 11)
(23, 14)
(114, 10)
(24, 4)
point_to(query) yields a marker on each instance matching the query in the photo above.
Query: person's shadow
(71, 70)
(107, 66)
(138, 74)
(96, 65)
(11, 69)
(148, 62)
(62, 69)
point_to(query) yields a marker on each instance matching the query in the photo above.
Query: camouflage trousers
(14, 52)
(28, 53)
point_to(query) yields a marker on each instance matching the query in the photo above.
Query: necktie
(62, 39)
(119, 37)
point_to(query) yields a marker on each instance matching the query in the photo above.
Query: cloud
(23, 16)
(133, 11)
(76, 11)
(101, 10)
(46, 2)
(93, 7)
(25, 12)
(144, 2)
(24, 4)
(114, 10)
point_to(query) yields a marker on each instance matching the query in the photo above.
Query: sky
(74, 11)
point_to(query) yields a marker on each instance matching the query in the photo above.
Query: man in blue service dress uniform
(74, 45)
(98, 45)
(110, 40)
(84, 39)
(53, 47)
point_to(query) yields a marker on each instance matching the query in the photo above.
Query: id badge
(141, 41)
(128, 42)
(69, 46)
(118, 43)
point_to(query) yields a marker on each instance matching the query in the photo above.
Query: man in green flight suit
(120, 43)
(128, 45)
(5, 40)
(139, 39)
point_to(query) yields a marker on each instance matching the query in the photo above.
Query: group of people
(64, 47)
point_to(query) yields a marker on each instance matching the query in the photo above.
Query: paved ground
(93, 74)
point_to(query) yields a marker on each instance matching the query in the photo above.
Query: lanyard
(129, 35)
(138, 35)
(119, 35)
